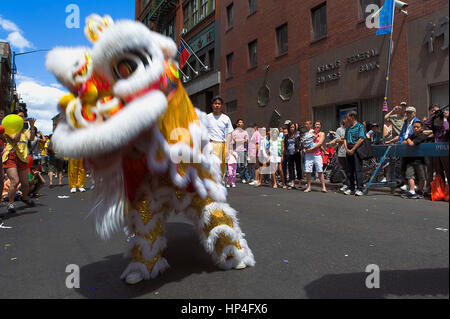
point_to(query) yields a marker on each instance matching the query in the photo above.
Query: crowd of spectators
(292, 155)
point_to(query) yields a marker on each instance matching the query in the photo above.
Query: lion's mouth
(131, 97)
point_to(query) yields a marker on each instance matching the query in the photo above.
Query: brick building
(196, 22)
(5, 76)
(315, 59)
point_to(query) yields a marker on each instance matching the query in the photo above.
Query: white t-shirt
(219, 127)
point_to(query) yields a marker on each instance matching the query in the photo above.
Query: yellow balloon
(12, 124)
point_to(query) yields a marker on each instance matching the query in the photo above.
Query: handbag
(365, 150)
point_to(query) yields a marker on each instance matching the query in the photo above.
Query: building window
(251, 6)
(286, 89)
(230, 16)
(263, 96)
(202, 60)
(186, 18)
(203, 9)
(439, 95)
(229, 65)
(252, 54)
(211, 59)
(194, 12)
(169, 29)
(319, 21)
(364, 4)
(282, 39)
(231, 106)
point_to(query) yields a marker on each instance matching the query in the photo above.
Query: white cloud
(20, 77)
(17, 40)
(8, 25)
(15, 37)
(42, 101)
(57, 85)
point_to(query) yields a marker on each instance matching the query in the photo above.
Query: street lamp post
(14, 68)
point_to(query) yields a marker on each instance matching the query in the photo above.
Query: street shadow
(393, 283)
(19, 212)
(184, 254)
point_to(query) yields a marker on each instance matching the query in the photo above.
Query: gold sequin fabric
(218, 218)
(142, 207)
(199, 204)
(137, 257)
(154, 234)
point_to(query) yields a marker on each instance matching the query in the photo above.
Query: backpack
(365, 150)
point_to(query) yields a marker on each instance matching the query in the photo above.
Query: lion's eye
(129, 62)
(124, 68)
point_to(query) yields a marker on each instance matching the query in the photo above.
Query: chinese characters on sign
(431, 35)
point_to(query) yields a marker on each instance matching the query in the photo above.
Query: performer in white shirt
(219, 127)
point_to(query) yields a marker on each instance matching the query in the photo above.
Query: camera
(440, 113)
(330, 136)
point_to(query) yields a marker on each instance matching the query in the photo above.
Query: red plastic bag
(437, 188)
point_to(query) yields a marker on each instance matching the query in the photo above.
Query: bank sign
(335, 66)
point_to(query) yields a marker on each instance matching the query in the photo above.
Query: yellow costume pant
(77, 174)
(219, 151)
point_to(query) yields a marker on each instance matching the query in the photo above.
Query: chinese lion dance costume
(130, 119)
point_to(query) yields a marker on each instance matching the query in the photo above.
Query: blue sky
(31, 25)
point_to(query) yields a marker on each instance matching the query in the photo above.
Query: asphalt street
(311, 245)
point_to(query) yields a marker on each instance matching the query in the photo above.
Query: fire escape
(155, 15)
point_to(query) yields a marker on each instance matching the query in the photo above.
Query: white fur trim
(112, 135)
(60, 61)
(109, 200)
(166, 44)
(235, 234)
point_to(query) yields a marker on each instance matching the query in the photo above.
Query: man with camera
(397, 116)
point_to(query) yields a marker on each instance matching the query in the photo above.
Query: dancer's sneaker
(240, 266)
(11, 208)
(81, 189)
(73, 190)
(134, 278)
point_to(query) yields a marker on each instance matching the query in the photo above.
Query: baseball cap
(410, 109)
(287, 122)
(403, 104)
